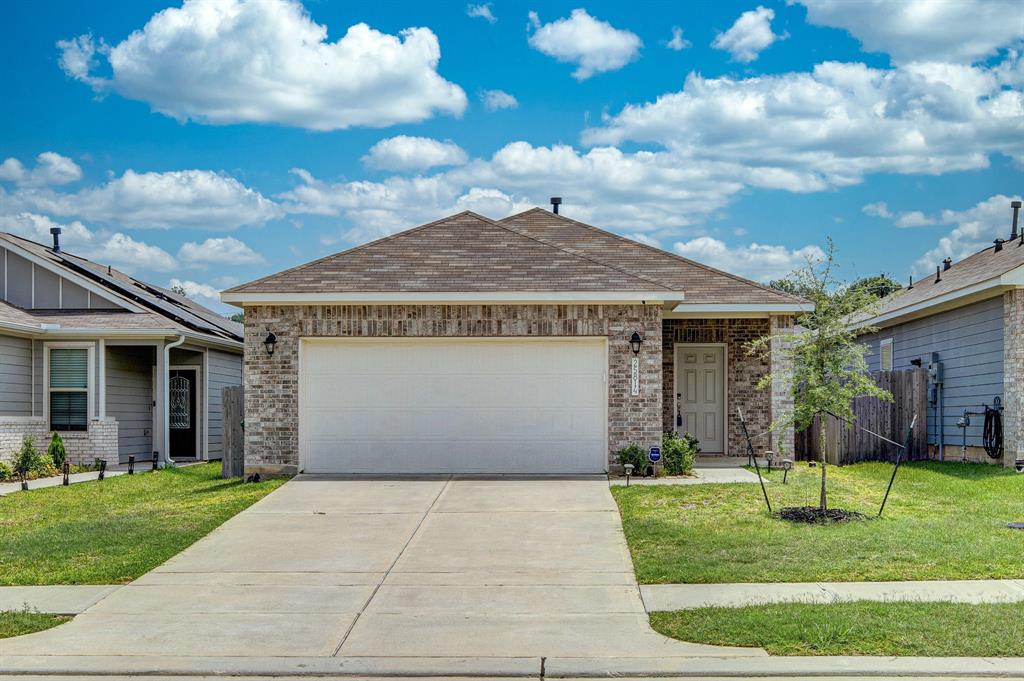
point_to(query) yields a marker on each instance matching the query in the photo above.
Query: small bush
(56, 450)
(634, 455)
(5, 472)
(679, 453)
(31, 463)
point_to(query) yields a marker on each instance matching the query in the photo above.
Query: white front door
(453, 405)
(700, 394)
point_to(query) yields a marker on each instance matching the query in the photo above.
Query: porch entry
(700, 394)
(184, 424)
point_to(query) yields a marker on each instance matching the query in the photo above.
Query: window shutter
(69, 368)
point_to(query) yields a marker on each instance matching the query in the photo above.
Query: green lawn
(18, 622)
(860, 628)
(943, 521)
(113, 531)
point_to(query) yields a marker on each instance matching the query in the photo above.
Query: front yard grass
(113, 531)
(19, 622)
(943, 521)
(858, 628)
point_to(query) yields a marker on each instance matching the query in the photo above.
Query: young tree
(829, 366)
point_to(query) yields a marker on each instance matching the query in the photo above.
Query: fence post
(233, 404)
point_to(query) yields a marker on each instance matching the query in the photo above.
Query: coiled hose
(992, 434)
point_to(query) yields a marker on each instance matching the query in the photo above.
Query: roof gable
(461, 253)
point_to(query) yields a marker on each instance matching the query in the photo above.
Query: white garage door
(453, 406)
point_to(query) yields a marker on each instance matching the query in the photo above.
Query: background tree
(829, 365)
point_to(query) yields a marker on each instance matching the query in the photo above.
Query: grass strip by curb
(856, 628)
(20, 622)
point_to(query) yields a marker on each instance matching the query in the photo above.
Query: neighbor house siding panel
(130, 399)
(19, 281)
(225, 370)
(969, 341)
(15, 376)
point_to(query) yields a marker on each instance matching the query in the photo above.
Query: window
(69, 388)
(885, 354)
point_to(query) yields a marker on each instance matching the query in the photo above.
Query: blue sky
(209, 144)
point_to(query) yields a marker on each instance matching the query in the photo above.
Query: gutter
(167, 461)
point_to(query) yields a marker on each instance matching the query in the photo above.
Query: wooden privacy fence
(233, 405)
(844, 444)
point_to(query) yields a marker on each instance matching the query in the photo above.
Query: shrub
(56, 450)
(31, 463)
(679, 453)
(5, 472)
(634, 455)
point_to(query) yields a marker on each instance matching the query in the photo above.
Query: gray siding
(52, 291)
(130, 398)
(47, 290)
(225, 370)
(73, 296)
(15, 376)
(19, 281)
(969, 341)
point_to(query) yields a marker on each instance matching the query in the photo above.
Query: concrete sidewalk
(56, 600)
(55, 481)
(684, 596)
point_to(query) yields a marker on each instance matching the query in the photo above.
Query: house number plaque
(634, 386)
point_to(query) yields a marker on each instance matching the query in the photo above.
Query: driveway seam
(391, 567)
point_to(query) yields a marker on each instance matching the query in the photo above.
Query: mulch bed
(814, 515)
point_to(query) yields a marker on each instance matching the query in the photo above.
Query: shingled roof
(534, 251)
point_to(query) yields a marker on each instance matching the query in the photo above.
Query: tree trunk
(823, 501)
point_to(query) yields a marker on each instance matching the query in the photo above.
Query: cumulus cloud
(973, 229)
(218, 251)
(831, 126)
(267, 61)
(761, 262)
(413, 153)
(121, 249)
(749, 36)
(51, 169)
(924, 30)
(37, 227)
(482, 11)
(495, 100)
(677, 42)
(181, 198)
(194, 289)
(594, 46)
(913, 218)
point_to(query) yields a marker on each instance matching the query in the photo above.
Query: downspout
(167, 461)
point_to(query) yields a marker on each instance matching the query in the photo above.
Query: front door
(700, 394)
(182, 413)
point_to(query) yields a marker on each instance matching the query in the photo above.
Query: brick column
(782, 374)
(1013, 375)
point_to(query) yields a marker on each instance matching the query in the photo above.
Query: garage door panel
(453, 405)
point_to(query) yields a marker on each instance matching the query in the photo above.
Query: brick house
(480, 346)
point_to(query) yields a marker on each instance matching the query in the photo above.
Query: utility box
(935, 370)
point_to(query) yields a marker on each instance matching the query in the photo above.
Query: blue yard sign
(655, 454)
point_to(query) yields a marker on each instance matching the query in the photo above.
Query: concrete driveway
(446, 567)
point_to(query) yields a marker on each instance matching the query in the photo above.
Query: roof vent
(55, 231)
(938, 274)
(999, 245)
(555, 202)
(911, 282)
(1015, 205)
(947, 263)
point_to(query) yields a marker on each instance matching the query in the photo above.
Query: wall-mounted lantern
(269, 343)
(634, 341)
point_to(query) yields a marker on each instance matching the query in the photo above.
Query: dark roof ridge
(659, 251)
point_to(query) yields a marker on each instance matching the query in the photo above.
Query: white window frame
(886, 343)
(90, 380)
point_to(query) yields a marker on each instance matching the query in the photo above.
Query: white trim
(441, 297)
(206, 405)
(886, 342)
(759, 308)
(200, 454)
(60, 293)
(90, 387)
(102, 377)
(725, 387)
(32, 270)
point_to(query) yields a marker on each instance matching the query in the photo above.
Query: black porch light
(634, 342)
(270, 342)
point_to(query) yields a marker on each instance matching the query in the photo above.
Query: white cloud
(916, 30)
(51, 169)
(74, 236)
(181, 198)
(413, 153)
(913, 218)
(218, 251)
(761, 262)
(877, 210)
(267, 61)
(498, 99)
(833, 125)
(194, 289)
(677, 42)
(975, 229)
(749, 36)
(594, 46)
(482, 11)
(132, 255)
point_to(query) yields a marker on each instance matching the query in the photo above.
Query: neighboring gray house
(107, 360)
(970, 314)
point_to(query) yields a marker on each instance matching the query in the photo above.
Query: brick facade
(743, 371)
(782, 393)
(82, 447)
(272, 382)
(1013, 375)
